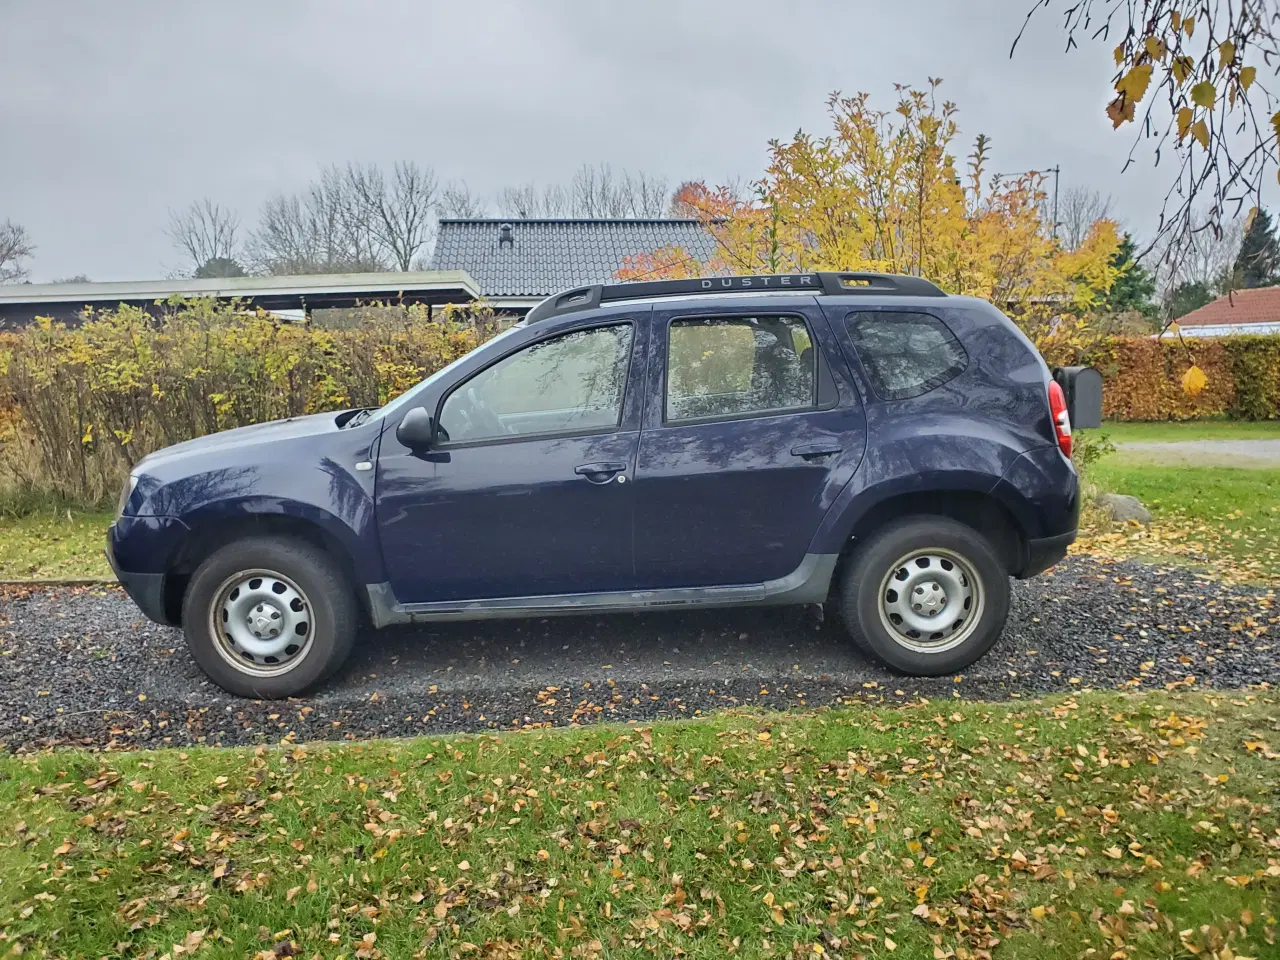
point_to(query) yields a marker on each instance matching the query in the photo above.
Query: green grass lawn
(1167, 431)
(54, 545)
(1079, 826)
(1233, 512)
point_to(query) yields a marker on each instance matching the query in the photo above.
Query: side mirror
(416, 430)
(1083, 388)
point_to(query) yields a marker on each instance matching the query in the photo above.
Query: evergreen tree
(1189, 295)
(219, 267)
(1258, 264)
(1135, 286)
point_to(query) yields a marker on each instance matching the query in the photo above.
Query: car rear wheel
(927, 595)
(269, 617)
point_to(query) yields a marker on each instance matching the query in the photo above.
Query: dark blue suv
(856, 438)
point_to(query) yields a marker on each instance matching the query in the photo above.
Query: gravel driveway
(1206, 453)
(82, 666)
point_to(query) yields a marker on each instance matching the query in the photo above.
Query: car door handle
(813, 451)
(599, 472)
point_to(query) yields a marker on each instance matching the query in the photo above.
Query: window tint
(724, 367)
(569, 383)
(905, 354)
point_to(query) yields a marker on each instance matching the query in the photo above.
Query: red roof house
(1243, 311)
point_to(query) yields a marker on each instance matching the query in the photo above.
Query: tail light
(1061, 418)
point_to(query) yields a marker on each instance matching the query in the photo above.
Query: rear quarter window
(905, 354)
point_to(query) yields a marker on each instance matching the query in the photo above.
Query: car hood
(241, 438)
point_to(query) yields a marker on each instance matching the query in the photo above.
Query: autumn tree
(685, 199)
(15, 249)
(1186, 74)
(882, 192)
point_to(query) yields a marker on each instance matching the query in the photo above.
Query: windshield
(407, 398)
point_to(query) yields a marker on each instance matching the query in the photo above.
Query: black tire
(330, 611)
(865, 610)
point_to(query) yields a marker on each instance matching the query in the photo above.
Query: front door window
(570, 384)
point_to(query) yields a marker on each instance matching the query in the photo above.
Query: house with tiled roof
(517, 263)
(1242, 311)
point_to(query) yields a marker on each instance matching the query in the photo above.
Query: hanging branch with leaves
(1208, 58)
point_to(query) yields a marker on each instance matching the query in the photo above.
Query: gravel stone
(81, 666)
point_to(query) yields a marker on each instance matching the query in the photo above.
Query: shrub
(1142, 378)
(1255, 367)
(91, 401)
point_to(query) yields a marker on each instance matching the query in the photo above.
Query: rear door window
(723, 367)
(905, 354)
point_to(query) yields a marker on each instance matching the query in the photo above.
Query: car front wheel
(927, 595)
(269, 617)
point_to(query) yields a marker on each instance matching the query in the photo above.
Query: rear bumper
(134, 542)
(1044, 552)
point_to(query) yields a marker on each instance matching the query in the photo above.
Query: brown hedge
(1142, 378)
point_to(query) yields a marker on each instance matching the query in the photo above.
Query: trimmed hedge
(1142, 378)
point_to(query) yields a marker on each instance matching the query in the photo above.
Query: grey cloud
(116, 112)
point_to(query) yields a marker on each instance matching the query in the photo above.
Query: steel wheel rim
(931, 600)
(261, 623)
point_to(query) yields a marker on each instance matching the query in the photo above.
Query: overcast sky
(114, 112)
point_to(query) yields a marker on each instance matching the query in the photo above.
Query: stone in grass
(1123, 507)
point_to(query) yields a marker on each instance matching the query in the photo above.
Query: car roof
(845, 285)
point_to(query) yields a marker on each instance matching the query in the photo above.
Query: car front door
(526, 489)
(752, 427)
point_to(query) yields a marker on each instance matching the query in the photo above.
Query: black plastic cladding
(825, 284)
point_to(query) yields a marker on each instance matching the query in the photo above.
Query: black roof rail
(823, 284)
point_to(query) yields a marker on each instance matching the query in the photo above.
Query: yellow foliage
(88, 402)
(882, 192)
(1203, 94)
(1133, 85)
(1193, 381)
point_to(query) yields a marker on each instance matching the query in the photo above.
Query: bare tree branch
(458, 202)
(592, 192)
(1202, 257)
(1079, 209)
(15, 248)
(1216, 116)
(399, 216)
(530, 202)
(321, 230)
(205, 231)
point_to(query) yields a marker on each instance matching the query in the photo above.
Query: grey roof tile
(547, 256)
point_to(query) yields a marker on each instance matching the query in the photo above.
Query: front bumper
(134, 542)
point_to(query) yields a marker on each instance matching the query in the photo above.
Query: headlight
(125, 493)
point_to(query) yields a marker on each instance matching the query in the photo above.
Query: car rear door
(751, 428)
